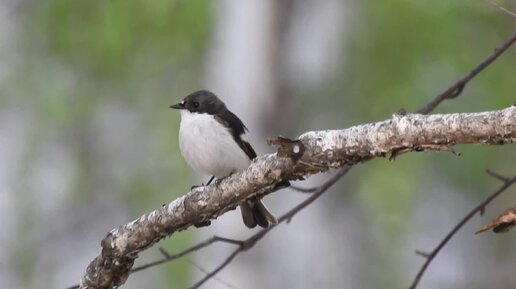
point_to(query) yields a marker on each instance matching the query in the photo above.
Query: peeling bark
(323, 150)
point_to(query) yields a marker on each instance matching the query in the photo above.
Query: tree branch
(323, 150)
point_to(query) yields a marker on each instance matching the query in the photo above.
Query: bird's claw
(195, 187)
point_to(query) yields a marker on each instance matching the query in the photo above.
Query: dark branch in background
(225, 283)
(121, 247)
(303, 190)
(480, 208)
(457, 88)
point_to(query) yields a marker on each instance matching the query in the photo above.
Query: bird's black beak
(180, 105)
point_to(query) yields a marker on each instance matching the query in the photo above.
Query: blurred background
(87, 141)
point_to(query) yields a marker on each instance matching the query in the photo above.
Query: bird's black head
(202, 101)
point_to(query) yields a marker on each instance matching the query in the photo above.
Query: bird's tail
(255, 213)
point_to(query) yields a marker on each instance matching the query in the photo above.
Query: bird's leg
(218, 180)
(205, 223)
(202, 184)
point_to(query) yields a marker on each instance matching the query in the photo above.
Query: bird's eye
(195, 104)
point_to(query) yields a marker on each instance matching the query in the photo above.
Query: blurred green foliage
(119, 39)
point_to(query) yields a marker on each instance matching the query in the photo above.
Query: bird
(213, 141)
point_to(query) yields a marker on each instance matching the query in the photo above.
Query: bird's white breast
(208, 147)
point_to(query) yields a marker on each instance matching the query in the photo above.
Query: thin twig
(422, 253)
(303, 190)
(223, 282)
(503, 9)
(164, 252)
(217, 270)
(194, 248)
(249, 243)
(457, 227)
(498, 176)
(457, 88)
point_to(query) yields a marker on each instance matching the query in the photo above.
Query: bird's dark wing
(237, 129)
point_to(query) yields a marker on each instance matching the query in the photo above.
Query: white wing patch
(245, 137)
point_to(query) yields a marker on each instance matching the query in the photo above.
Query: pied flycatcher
(213, 140)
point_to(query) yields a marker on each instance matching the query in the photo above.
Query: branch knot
(288, 148)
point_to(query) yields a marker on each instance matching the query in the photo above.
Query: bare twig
(498, 176)
(303, 190)
(218, 269)
(422, 253)
(503, 9)
(457, 88)
(194, 248)
(225, 283)
(430, 257)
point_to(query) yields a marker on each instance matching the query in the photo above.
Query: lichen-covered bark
(323, 150)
